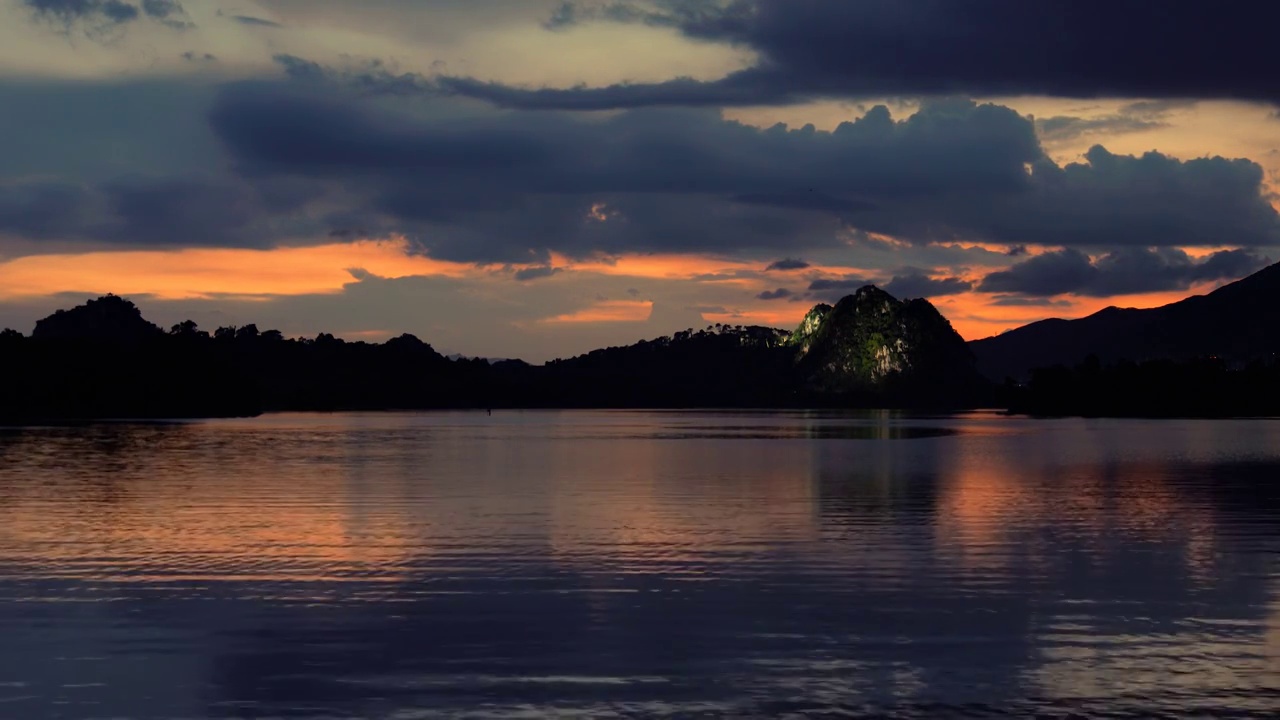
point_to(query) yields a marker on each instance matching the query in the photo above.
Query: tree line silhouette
(1199, 387)
(103, 360)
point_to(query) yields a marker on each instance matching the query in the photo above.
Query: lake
(640, 564)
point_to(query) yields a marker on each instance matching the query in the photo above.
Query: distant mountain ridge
(103, 359)
(869, 349)
(1237, 322)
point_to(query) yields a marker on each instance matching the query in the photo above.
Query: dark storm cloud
(256, 21)
(1122, 272)
(69, 11)
(311, 134)
(45, 209)
(738, 89)
(1132, 117)
(907, 283)
(1062, 128)
(191, 212)
(874, 48)
(935, 174)
(808, 200)
(168, 12)
(304, 157)
(1108, 200)
(1156, 109)
(787, 264)
(89, 131)
(946, 145)
(536, 272)
(832, 289)
(165, 211)
(915, 283)
(779, 294)
(162, 9)
(499, 186)
(663, 13)
(111, 12)
(1022, 301)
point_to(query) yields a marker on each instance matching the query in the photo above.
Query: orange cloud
(607, 311)
(205, 272)
(246, 274)
(674, 267)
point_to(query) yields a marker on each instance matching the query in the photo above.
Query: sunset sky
(535, 178)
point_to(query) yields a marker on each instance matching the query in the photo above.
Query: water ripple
(641, 565)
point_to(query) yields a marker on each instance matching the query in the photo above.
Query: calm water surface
(630, 564)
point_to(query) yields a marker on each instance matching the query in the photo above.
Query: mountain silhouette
(1239, 323)
(1210, 355)
(103, 359)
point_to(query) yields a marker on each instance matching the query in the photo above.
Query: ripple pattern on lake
(641, 564)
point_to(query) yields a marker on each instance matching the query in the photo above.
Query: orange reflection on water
(990, 500)
(670, 507)
(165, 520)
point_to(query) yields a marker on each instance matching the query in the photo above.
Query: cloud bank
(809, 49)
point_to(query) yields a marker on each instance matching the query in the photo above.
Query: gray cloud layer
(955, 170)
(874, 48)
(1122, 272)
(915, 283)
(310, 159)
(255, 21)
(779, 294)
(110, 12)
(787, 264)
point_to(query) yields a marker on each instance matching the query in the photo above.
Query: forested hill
(103, 359)
(1238, 323)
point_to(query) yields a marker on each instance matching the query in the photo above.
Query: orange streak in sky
(607, 311)
(657, 266)
(246, 274)
(203, 272)
(975, 315)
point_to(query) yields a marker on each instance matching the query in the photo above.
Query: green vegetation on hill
(873, 342)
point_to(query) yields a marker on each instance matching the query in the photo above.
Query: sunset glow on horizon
(337, 175)
(330, 269)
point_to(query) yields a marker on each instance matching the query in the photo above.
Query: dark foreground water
(640, 565)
